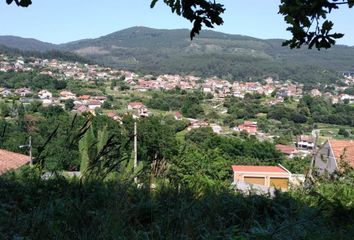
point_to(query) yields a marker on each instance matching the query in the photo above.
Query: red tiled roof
(286, 149)
(343, 150)
(95, 102)
(10, 160)
(243, 168)
(178, 114)
(136, 104)
(85, 97)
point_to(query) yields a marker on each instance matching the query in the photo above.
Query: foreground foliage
(59, 208)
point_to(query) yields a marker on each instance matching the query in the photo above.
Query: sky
(61, 21)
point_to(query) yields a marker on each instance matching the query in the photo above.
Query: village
(275, 92)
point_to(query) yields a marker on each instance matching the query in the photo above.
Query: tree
(156, 143)
(199, 12)
(4, 110)
(22, 3)
(106, 105)
(195, 167)
(344, 132)
(69, 104)
(305, 17)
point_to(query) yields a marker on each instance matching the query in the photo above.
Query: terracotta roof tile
(343, 150)
(286, 149)
(10, 160)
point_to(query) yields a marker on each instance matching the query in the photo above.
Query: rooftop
(286, 149)
(244, 168)
(343, 150)
(11, 160)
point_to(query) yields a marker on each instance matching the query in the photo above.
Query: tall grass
(59, 208)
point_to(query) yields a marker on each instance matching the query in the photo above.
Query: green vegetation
(184, 177)
(72, 209)
(189, 104)
(32, 80)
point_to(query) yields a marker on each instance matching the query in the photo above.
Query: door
(255, 180)
(280, 183)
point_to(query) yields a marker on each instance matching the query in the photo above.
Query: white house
(23, 92)
(135, 105)
(66, 95)
(6, 92)
(45, 94)
(94, 104)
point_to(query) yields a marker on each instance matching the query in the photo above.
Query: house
(305, 142)
(194, 124)
(93, 104)
(178, 116)
(11, 160)
(216, 128)
(316, 93)
(102, 99)
(135, 105)
(5, 92)
(115, 117)
(143, 112)
(23, 92)
(47, 102)
(80, 108)
(66, 95)
(282, 93)
(332, 154)
(140, 107)
(249, 127)
(45, 94)
(266, 176)
(346, 97)
(85, 98)
(287, 150)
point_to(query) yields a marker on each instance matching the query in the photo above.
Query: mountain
(233, 57)
(26, 44)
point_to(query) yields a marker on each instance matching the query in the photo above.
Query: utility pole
(314, 151)
(135, 151)
(29, 146)
(30, 150)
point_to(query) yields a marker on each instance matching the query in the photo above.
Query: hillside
(26, 44)
(234, 57)
(49, 54)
